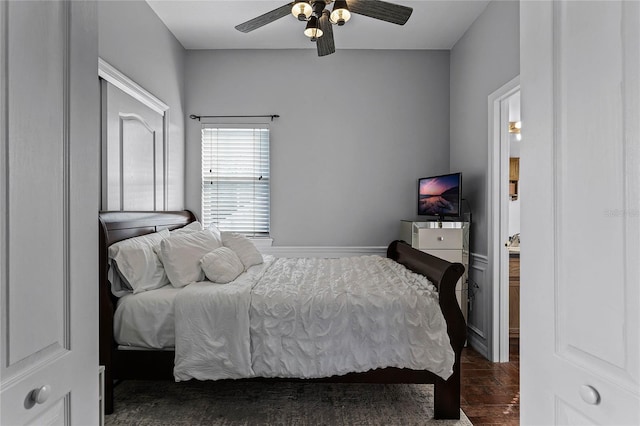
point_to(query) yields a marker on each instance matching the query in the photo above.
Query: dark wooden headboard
(116, 226)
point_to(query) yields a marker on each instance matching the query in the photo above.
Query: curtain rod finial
(194, 117)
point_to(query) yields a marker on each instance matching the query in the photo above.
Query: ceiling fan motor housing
(318, 7)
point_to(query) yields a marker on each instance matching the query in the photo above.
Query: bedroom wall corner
(483, 60)
(135, 41)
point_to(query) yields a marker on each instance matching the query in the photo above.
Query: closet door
(580, 298)
(48, 212)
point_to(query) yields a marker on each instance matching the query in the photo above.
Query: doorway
(513, 221)
(504, 201)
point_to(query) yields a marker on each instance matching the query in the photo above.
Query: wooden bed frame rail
(132, 364)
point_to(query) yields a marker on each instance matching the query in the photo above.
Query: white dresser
(446, 240)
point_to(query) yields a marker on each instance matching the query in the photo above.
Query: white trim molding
(497, 205)
(109, 73)
(323, 251)
(475, 257)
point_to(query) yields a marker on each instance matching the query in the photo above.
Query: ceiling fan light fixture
(312, 31)
(302, 10)
(340, 13)
(320, 20)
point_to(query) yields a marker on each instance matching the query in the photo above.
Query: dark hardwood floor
(490, 392)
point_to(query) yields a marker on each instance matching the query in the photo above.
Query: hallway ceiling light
(514, 127)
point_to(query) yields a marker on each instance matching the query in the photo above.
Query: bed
(123, 363)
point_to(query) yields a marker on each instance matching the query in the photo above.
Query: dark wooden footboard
(444, 276)
(123, 364)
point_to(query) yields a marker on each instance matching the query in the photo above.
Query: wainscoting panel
(479, 319)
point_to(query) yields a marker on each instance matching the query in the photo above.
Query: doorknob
(40, 395)
(589, 395)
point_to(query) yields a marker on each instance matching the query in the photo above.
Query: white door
(134, 154)
(580, 292)
(49, 107)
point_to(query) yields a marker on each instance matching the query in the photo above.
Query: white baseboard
(322, 251)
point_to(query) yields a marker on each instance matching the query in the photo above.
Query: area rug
(139, 402)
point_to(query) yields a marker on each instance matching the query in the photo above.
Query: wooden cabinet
(514, 294)
(514, 176)
(446, 240)
(514, 168)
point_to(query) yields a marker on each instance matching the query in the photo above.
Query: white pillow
(136, 261)
(181, 256)
(221, 265)
(243, 247)
(213, 228)
(119, 286)
(187, 229)
(191, 227)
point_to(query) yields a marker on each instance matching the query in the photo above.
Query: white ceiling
(209, 24)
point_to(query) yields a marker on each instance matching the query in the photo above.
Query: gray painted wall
(357, 129)
(134, 40)
(483, 60)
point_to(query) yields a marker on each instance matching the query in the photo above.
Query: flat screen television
(440, 195)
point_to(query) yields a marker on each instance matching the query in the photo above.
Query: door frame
(498, 214)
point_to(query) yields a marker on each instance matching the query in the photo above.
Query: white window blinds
(235, 178)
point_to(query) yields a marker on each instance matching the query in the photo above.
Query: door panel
(580, 298)
(53, 416)
(48, 212)
(590, 188)
(37, 169)
(567, 415)
(138, 147)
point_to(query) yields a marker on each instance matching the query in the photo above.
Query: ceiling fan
(320, 20)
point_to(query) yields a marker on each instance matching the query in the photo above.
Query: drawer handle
(40, 396)
(589, 395)
(440, 238)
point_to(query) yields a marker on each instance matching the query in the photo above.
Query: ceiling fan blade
(325, 43)
(265, 19)
(389, 12)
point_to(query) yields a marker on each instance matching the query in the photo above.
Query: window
(235, 178)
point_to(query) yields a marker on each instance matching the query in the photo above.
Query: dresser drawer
(438, 239)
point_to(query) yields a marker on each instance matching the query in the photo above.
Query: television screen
(440, 195)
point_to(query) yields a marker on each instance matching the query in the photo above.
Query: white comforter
(311, 318)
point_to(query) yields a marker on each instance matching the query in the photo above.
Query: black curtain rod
(198, 117)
